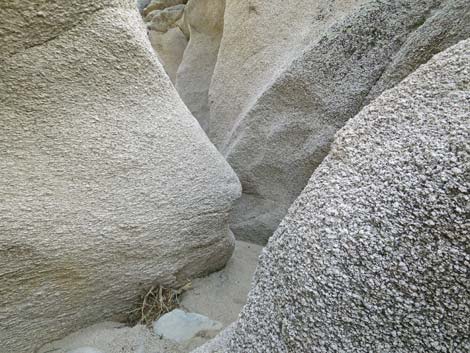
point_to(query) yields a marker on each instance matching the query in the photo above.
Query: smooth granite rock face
(373, 255)
(108, 184)
(275, 146)
(169, 47)
(260, 39)
(205, 20)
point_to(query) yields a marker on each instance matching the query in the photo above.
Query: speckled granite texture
(373, 256)
(107, 183)
(278, 142)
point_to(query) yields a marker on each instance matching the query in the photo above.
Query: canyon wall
(108, 183)
(373, 255)
(290, 74)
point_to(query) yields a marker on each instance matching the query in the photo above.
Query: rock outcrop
(278, 142)
(260, 39)
(108, 184)
(168, 33)
(169, 47)
(373, 255)
(161, 5)
(205, 19)
(186, 36)
(162, 20)
(142, 4)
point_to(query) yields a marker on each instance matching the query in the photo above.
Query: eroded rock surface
(288, 74)
(142, 4)
(161, 5)
(168, 32)
(205, 20)
(108, 183)
(261, 38)
(372, 256)
(162, 20)
(276, 145)
(169, 47)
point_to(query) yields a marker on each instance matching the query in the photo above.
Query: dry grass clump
(154, 303)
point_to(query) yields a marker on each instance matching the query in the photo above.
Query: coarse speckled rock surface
(107, 182)
(205, 19)
(260, 38)
(278, 143)
(441, 29)
(373, 255)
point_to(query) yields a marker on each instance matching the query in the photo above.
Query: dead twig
(154, 303)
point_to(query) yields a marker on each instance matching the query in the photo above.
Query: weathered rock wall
(205, 20)
(276, 145)
(373, 255)
(261, 38)
(108, 184)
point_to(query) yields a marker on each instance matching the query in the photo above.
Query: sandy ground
(219, 296)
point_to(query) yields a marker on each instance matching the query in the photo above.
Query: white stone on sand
(181, 326)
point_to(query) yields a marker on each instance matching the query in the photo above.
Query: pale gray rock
(108, 184)
(162, 20)
(142, 4)
(184, 26)
(219, 296)
(169, 47)
(442, 29)
(260, 38)
(276, 145)
(180, 326)
(162, 4)
(24, 25)
(205, 20)
(373, 255)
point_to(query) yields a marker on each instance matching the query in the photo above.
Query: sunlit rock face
(108, 184)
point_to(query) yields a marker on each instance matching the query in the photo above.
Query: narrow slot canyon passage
(234, 176)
